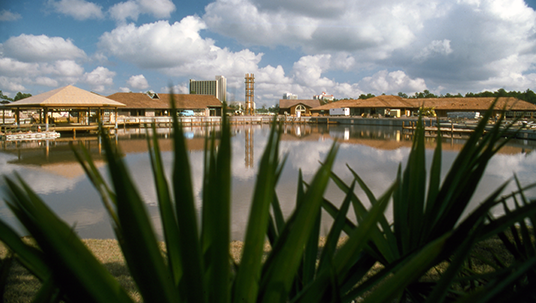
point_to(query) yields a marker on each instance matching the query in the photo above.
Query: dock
(408, 125)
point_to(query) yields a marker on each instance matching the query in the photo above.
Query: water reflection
(373, 152)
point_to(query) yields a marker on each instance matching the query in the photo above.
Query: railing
(166, 121)
(13, 121)
(7, 129)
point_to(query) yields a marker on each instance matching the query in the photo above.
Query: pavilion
(69, 99)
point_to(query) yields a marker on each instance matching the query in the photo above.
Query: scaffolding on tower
(250, 105)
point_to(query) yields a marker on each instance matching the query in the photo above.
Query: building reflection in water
(249, 155)
(375, 152)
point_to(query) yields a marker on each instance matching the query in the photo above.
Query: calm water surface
(373, 152)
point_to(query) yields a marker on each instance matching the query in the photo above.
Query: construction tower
(250, 105)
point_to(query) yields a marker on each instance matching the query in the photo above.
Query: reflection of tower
(249, 147)
(250, 80)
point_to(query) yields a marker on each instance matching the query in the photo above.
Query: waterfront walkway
(407, 124)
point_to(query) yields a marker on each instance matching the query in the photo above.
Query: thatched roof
(162, 101)
(66, 97)
(288, 103)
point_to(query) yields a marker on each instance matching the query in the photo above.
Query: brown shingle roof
(182, 101)
(462, 104)
(288, 103)
(192, 101)
(382, 101)
(476, 104)
(137, 100)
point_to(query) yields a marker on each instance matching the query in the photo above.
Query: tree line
(527, 95)
(18, 96)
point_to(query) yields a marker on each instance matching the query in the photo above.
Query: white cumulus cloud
(51, 74)
(31, 48)
(436, 47)
(132, 9)
(176, 49)
(6, 15)
(138, 82)
(391, 83)
(11, 84)
(308, 70)
(99, 79)
(449, 43)
(78, 9)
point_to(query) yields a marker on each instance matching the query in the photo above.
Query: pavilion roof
(66, 97)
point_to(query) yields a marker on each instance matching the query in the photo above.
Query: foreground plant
(428, 222)
(196, 266)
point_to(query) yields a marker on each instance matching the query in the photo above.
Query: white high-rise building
(290, 96)
(221, 88)
(217, 88)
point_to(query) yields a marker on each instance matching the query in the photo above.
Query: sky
(305, 47)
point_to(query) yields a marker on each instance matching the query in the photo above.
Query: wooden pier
(431, 131)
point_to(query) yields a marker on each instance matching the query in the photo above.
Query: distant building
(292, 106)
(382, 105)
(290, 96)
(216, 88)
(153, 104)
(323, 97)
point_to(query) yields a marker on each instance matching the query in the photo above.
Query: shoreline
(21, 285)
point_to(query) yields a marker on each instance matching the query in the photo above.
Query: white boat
(31, 136)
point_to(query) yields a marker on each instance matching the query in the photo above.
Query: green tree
(403, 95)
(20, 96)
(4, 98)
(367, 96)
(274, 109)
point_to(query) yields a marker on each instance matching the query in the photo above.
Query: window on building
(301, 108)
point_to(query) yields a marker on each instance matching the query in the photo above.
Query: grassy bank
(22, 285)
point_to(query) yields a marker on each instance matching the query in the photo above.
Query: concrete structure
(290, 96)
(144, 105)
(292, 106)
(324, 97)
(250, 94)
(221, 88)
(216, 88)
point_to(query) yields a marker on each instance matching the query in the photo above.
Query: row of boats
(30, 135)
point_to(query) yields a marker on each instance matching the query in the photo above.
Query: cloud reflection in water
(374, 153)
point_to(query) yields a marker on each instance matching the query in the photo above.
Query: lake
(373, 152)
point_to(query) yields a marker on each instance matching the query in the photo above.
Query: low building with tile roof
(381, 105)
(291, 106)
(442, 106)
(153, 104)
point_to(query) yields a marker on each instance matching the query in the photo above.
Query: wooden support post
(46, 118)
